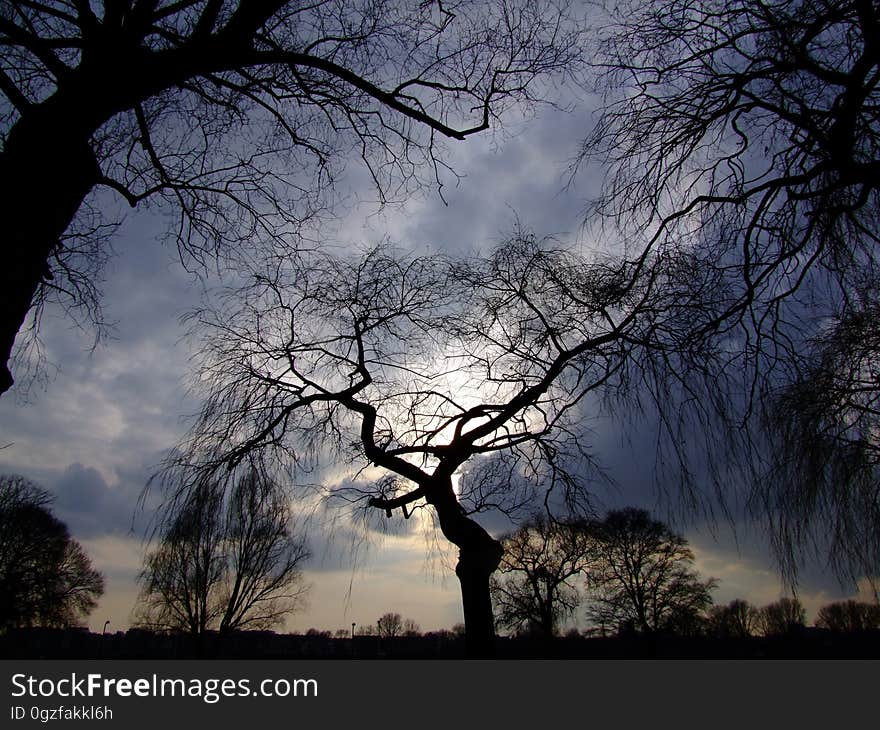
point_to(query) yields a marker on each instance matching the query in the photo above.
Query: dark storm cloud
(519, 175)
(90, 507)
(105, 420)
(524, 180)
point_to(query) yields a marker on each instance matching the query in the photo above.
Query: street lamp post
(102, 648)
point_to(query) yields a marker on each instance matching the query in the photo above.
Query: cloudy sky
(98, 429)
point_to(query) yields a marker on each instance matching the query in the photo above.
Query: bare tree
(534, 586)
(783, 617)
(642, 578)
(181, 577)
(849, 616)
(426, 367)
(736, 620)
(46, 578)
(389, 625)
(743, 136)
(746, 132)
(234, 114)
(224, 561)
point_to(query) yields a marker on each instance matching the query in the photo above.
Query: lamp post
(103, 641)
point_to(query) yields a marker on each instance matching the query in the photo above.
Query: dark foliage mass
(849, 617)
(46, 578)
(783, 617)
(140, 645)
(737, 620)
(643, 577)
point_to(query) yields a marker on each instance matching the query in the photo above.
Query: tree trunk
(478, 557)
(46, 170)
(549, 620)
(473, 570)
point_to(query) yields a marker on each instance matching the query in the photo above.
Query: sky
(107, 415)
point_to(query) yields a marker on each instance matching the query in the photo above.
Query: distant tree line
(230, 558)
(737, 619)
(635, 575)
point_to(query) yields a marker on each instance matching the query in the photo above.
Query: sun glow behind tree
(427, 367)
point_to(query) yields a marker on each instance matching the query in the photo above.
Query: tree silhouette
(783, 617)
(534, 587)
(389, 625)
(426, 367)
(182, 575)
(849, 617)
(642, 577)
(736, 620)
(743, 137)
(236, 115)
(224, 561)
(823, 425)
(46, 578)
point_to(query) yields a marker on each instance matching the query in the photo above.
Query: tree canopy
(424, 366)
(643, 577)
(46, 578)
(736, 620)
(849, 616)
(783, 617)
